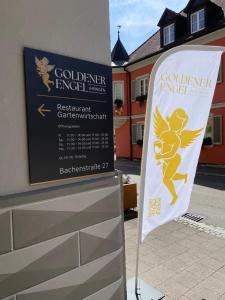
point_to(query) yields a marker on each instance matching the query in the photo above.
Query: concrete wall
(78, 29)
(63, 244)
(57, 241)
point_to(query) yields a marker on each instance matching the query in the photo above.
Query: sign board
(69, 116)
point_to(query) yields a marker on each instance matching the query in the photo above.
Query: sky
(138, 18)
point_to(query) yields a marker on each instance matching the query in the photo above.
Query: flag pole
(142, 177)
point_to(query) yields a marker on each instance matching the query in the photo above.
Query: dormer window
(198, 21)
(168, 34)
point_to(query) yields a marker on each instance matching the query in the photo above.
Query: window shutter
(217, 129)
(140, 131)
(134, 133)
(133, 89)
(146, 85)
(219, 78)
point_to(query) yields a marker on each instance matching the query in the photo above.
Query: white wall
(76, 28)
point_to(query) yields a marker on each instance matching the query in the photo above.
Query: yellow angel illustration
(43, 68)
(171, 136)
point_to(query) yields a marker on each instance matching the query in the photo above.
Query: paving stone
(175, 264)
(200, 269)
(160, 273)
(150, 278)
(188, 279)
(178, 235)
(188, 243)
(153, 258)
(219, 255)
(187, 230)
(184, 298)
(143, 266)
(220, 274)
(202, 292)
(173, 289)
(188, 258)
(171, 239)
(157, 244)
(199, 252)
(210, 263)
(198, 239)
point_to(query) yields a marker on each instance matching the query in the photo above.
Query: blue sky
(138, 19)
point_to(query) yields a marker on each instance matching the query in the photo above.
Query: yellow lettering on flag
(154, 207)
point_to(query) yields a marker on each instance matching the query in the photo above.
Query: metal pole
(142, 182)
(140, 215)
(136, 271)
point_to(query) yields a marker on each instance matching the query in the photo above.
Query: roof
(152, 44)
(119, 54)
(167, 15)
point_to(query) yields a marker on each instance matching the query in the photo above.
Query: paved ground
(208, 196)
(183, 259)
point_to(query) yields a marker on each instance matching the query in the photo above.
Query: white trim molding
(218, 105)
(138, 116)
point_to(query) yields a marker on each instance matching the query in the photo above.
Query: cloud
(138, 18)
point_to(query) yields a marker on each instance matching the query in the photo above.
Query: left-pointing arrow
(42, 110)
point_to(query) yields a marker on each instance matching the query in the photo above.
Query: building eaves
(161, 50)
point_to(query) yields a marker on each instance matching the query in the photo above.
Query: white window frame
(115, 83)
(211, 134)
(137, 132)
(197, 13)
(167, 32)
(145, 80)
(140, 130)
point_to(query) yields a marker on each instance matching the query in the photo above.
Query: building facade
(201, 22)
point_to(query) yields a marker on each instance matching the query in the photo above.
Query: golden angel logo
(43, 68)
(171, 136)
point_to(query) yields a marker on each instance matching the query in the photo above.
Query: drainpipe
(130, 112)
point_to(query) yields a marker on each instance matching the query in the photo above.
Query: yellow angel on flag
(171, 136)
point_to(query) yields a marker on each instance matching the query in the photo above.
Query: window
(137, 132)
(118, 90)
(168, 34)
(139, 86)
(217, 130)
(213, 132)
(208, 137)
(143, 86)
(197, 21)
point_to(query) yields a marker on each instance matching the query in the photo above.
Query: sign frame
(69, 117)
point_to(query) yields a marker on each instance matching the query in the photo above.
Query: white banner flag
(181, 89)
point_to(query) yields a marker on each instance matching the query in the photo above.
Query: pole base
(144, 292)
